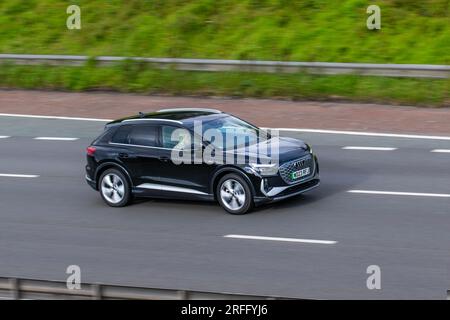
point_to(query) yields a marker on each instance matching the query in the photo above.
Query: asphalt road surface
(396, 217)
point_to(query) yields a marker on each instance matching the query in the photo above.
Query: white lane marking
(240, 236)
(51, 117)
(394, 193)
(369, 148)
(361, 133)
(355, 133)
(8, 175)
(55, 139)
(441, 150)
(4, 137)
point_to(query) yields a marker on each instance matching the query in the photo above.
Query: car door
(139, 153)
(182, 180)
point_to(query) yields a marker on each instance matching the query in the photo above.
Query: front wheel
(114, 188)
(234, 194)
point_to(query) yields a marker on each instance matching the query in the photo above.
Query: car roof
(179, 115)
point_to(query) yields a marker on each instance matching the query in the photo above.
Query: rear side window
(121, 135)
(143, 135)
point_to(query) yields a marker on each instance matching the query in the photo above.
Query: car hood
(283, 148)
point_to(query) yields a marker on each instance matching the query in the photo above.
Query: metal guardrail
(16, 289)
(366, 69)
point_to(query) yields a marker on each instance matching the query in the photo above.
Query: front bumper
(296, 190)
(275, 189)
(289, 192)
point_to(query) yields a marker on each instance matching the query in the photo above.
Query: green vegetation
(139, 78)
(413, 31)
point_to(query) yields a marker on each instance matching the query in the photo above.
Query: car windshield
(228, 132)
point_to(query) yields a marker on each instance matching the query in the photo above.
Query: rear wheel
(114, 188)
(234, 194)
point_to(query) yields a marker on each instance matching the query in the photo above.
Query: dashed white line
(9, 175)
(4, 137)
(441, 150)
(55, 139)
(395, 193)
(247, 237)
(369, 148)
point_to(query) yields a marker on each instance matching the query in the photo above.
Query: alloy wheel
(113, 188)
(232, 194)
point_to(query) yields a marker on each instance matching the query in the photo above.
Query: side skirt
(160, 194)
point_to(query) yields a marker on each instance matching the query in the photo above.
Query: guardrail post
(97, 292)
(183, 295)
(15, 288)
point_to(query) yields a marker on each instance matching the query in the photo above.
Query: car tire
(114, 188)
(234, 194)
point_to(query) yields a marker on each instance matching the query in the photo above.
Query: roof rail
(190, 109)
(151, 119)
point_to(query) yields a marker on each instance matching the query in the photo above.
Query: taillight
(90, 151)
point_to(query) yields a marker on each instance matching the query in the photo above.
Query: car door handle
(164, 159)
(123, 155)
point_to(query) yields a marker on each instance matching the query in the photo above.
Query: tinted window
(224, 129)
(175, 137)
(143, 135)
(121, 135)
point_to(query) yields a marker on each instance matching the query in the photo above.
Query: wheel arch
(111, 165)
(226, 170)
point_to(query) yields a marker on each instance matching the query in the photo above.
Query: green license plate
(300, 173)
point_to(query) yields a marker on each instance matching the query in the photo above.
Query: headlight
(265, 169)
(309, 148)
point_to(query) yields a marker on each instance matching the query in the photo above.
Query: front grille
(287, 170)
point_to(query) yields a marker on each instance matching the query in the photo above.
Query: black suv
(180, 153)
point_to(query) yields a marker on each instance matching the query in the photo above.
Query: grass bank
(139, 78)
(412, 31)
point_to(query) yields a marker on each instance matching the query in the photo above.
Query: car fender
(231, 169)
(112, 164)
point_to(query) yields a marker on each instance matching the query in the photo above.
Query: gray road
(56, 220)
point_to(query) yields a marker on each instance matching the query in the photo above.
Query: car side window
(121, 135)
(180, 139)
(143, 135)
